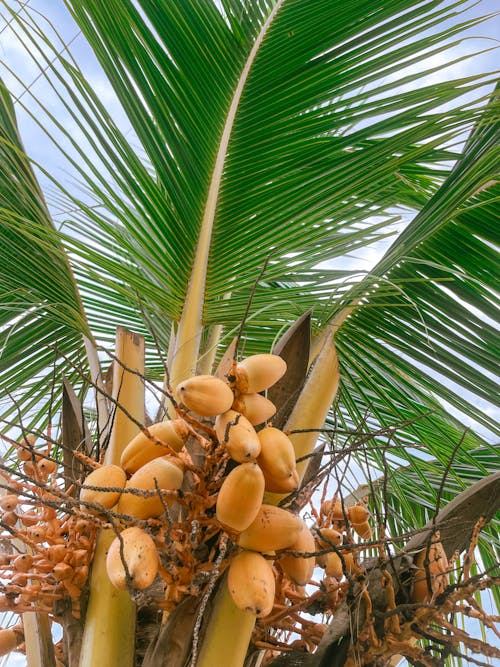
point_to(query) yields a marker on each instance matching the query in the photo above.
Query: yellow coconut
(164, 473)
(300, 568)
(282, 484)
(10, 638)
(206, 395)
(109, 476)
(140, 556)
(25, 450)
(277, 455)
(259, 372)
(22, 563)
(47, 466)
(238, 435)
(255, 407)
(358, 514)
(142, 449)
(328, 536)
(251, 583)
(434, 572)
(272, 529)
(240, 497)
(333, 510)
(9, 502)
(363, 529)
(333, 565)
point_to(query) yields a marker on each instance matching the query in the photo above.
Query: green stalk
(109, 633)
(315, 400)
(228, 633)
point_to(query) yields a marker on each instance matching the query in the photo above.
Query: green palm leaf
(41, 316)
(442, 323)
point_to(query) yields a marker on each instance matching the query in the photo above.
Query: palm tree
(268, 141)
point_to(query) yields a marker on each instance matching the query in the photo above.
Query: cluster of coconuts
(330, 542)
(264, 460)
(55, 563)
(147, 481)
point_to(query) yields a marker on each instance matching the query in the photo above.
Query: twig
(249, 303)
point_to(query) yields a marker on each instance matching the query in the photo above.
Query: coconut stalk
(229, 630)
(315, 400)
(109, 633)
(38, 639)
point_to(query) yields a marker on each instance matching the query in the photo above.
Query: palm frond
(348, 129)
(438, 329)
(41, 314)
